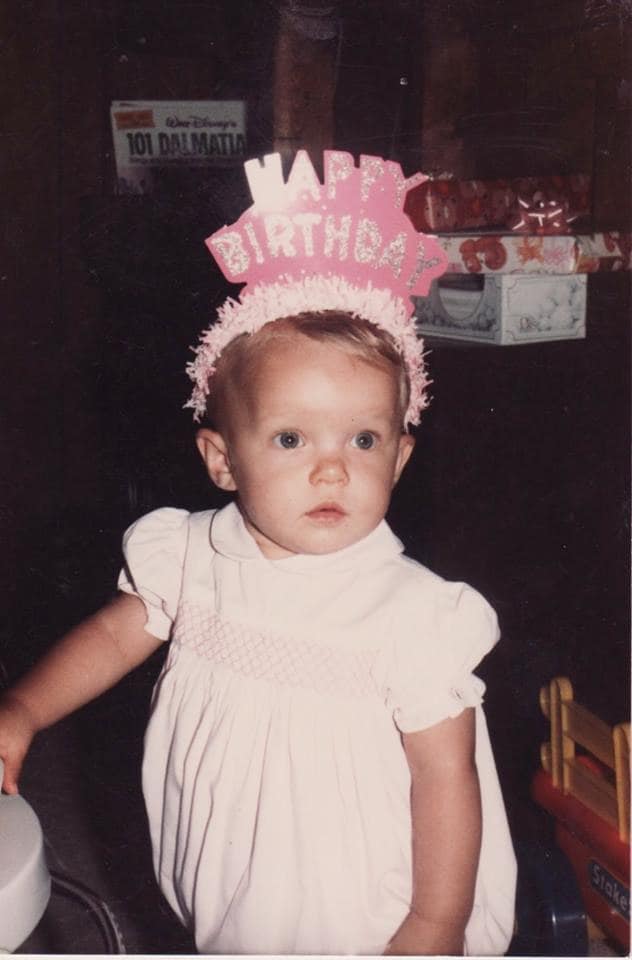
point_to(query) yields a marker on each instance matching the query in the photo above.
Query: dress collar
(230, 538)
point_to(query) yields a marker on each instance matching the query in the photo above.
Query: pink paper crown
(344, 245)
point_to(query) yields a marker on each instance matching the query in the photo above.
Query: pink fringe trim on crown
(287, 298)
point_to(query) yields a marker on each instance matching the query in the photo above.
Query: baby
(317, 771)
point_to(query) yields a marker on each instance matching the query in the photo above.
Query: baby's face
(315, 447)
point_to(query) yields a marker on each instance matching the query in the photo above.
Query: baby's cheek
(378, 481)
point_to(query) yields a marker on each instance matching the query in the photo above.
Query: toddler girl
(317, 771)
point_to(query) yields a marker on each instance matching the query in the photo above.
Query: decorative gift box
(446, 205)
(520, 253)
(511, 253)
(504, 309)
(516, 288)
(604, 251)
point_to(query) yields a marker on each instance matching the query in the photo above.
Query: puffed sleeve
(431, 675)
(154, 549)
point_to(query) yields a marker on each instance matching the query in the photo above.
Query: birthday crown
(344, 245)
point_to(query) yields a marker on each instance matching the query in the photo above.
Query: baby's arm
(88, 660)
(446, 833)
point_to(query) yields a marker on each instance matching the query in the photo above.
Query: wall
(53, 154)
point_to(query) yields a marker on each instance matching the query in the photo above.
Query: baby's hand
(17, 730)
(418, 937)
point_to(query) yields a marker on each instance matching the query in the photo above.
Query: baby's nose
(329, 468)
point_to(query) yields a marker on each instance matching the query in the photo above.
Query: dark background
(520, 481)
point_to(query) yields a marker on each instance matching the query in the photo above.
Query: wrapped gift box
(511, 253)
(521, 253)
(504, 309)
(604, 251)
(443, 205)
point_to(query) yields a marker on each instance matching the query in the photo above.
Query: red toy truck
(584, 784)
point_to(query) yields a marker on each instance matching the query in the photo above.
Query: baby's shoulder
(409, 575)
(417, 588)
(168, 528)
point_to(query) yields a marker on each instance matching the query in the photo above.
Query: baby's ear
(406, 447)
(214, 452)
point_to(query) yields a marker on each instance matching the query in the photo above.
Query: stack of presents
(517, 264)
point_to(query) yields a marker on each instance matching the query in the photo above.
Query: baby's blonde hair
(343, 330)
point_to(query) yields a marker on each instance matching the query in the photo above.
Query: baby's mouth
(327, 513)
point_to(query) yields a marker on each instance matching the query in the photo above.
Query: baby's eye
(289, 440)
(364, 440)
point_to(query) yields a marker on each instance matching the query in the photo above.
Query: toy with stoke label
(587, 791)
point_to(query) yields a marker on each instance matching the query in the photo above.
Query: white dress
(276, 785)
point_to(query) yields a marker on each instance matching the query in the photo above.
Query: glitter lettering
(338, 167)
(368, 241)
(302, 178)
(280, 232)
(231, 249)
(352, 224)
(306, 222)
(266, 181)
(403, 184)
(371, 168)
(393, 254)
(421, 265)
(337, 234)
(254, 243)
